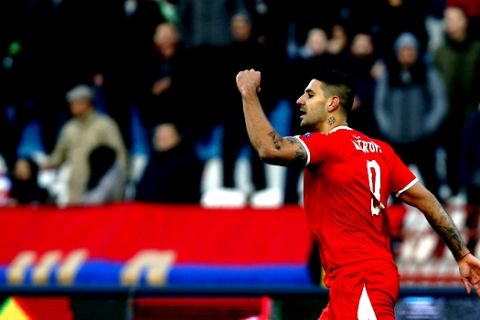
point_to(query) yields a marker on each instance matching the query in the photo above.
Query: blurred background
(129, 189)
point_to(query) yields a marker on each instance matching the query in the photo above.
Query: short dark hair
(339, 84)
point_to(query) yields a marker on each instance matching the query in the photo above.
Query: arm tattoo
(300, 153)
(292, 140)
(443, 224)
(276, 139)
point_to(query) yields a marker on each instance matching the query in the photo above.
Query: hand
(469, 267)
(248, 81)
(161, 85)
(45, 165)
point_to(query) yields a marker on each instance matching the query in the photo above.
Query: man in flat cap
(86, 130)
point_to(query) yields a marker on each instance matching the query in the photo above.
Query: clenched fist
(248, 81)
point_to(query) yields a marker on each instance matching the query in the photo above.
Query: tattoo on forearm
(276, 139)
(331, 120)
(445, 227)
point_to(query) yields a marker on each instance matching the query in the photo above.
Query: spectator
(361, 63)
(173, 172)
(245, 51)
(24, 184)
(166, 77)
(458, 60)
(410, 105)
(124, 67)
(316, 44)
(472, 9)
(79, 136)
(393, 17)
(339, 42)
(205, 28)
(107, 180)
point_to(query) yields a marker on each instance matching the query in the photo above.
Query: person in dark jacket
(107, 180)
(24, 184)
(410, 103)
(174, 171)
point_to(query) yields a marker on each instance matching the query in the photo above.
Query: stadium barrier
(141, 260)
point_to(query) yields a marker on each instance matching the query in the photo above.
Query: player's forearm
(261, 133)
(419, 197)
(443, 224)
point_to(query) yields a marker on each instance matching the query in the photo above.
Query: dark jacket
(172, 176)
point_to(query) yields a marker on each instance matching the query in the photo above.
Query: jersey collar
(342, 127)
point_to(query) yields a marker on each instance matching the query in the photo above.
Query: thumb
(466, 285)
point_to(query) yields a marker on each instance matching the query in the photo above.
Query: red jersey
(348, 179)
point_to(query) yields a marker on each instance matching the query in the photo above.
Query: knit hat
(406, 39)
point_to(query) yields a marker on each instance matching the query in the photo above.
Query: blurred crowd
(84, 69)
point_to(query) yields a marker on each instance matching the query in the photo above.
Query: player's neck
(331, 123)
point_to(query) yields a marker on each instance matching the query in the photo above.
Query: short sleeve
(402, 177)
(316, 146)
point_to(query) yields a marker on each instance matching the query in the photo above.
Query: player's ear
(333, 103)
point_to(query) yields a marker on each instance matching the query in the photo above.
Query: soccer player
(348, 178)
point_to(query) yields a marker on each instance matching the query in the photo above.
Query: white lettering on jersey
(366, 146)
